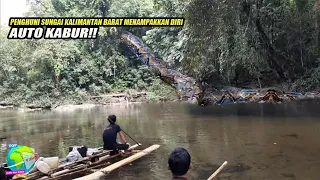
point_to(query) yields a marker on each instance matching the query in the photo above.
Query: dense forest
(246, 43)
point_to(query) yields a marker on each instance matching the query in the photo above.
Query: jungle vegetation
(242, 43)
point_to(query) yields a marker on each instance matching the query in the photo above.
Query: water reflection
(259, 141)
(289, 109)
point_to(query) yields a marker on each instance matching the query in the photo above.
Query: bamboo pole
(91, 165)
(35, 175)
(70, 164)
(75, 169)
(100, 150)
(97, 175)
(104, 158)
(101, 159)
(100, 153)
(58, 175)
(44, 177)
(60, 172)
(70, 168)
(218, 170)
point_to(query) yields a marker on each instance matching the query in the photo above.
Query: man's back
(179, 178)
(110, 136)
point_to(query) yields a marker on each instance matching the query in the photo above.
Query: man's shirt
(110, 135)
(179, 178)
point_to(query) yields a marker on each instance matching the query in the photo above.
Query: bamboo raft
(96, 169)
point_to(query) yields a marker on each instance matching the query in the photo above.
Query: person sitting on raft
(77, 153)
(110, 137)
(179, 163)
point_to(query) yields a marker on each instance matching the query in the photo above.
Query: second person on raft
(110, 137)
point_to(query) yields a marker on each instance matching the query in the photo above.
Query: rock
(3, 103)
(34, 106)
(312, 95)
(6, 107)
(74, 107)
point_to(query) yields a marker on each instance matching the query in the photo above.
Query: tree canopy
(247, 43)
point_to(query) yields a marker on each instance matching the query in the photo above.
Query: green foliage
(309, 82)
(160, 92)
(68, 71)
(222, 43)
(240, 42)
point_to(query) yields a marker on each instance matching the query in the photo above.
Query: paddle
(131, 137)
(218, 170)
(126, 133)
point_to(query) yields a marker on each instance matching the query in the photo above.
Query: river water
(259, 141)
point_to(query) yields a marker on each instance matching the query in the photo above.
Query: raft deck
(97, 169)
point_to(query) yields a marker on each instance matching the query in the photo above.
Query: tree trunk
(318, 30)
(57, 81)
(275, 60)
(316, 8)
(283, 66)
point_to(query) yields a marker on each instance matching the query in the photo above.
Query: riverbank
(127, 97)
(88, 102)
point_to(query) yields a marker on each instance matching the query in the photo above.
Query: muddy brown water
(259, 141)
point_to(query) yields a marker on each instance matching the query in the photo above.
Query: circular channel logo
(21, 159)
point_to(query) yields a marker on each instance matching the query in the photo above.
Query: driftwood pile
(118, 98)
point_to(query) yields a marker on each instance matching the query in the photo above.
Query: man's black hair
(179, 161)
(112, 119)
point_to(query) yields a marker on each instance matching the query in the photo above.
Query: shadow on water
(289, 109)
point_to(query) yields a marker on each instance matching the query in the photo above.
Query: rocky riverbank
(92, 101)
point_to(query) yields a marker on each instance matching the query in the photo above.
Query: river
(259, 141)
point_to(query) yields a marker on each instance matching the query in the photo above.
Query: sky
(11, 8)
